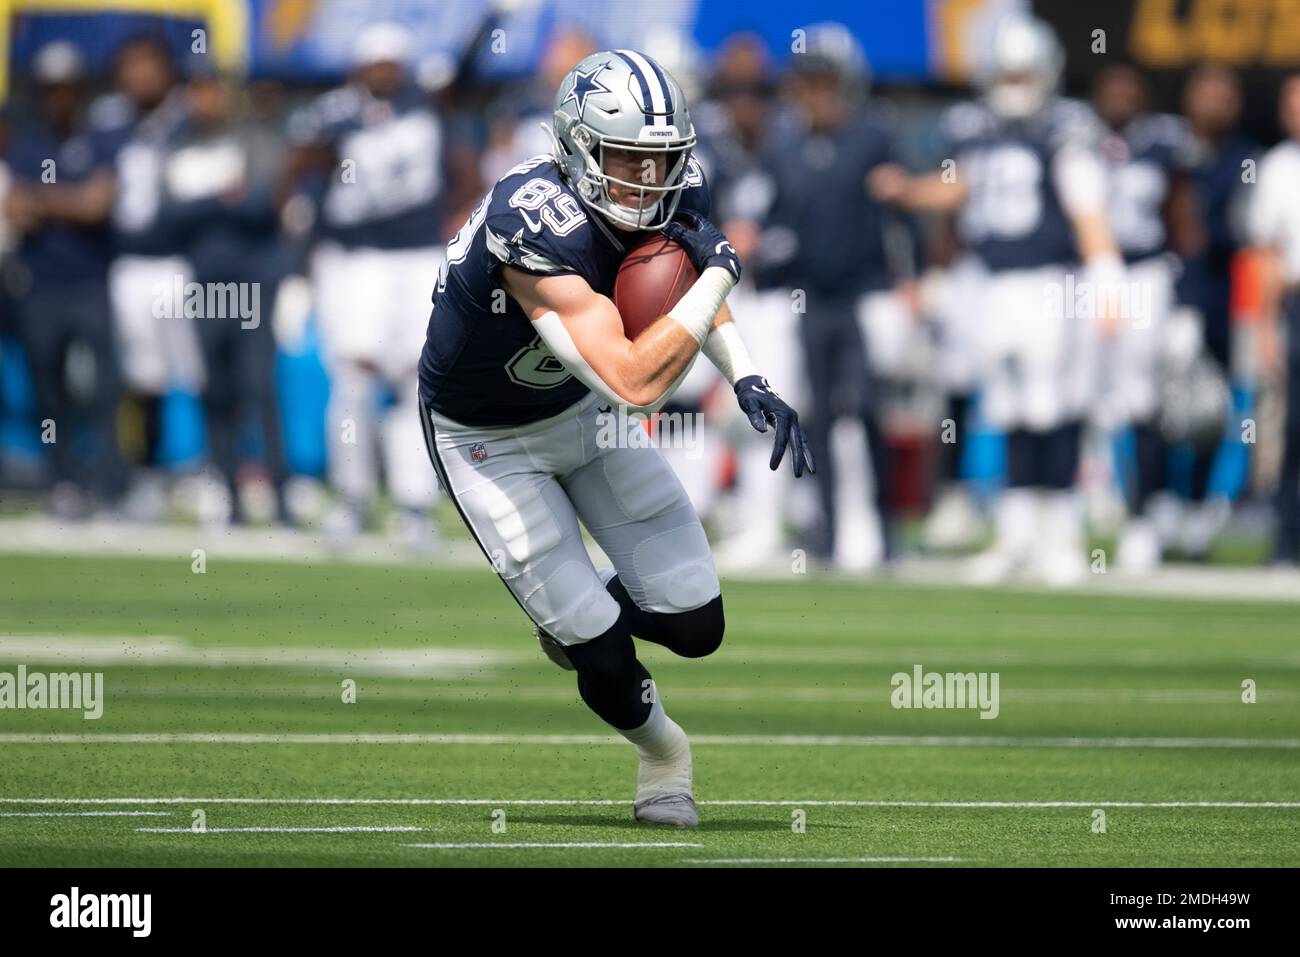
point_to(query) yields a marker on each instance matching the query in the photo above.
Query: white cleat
(663, 784)
(672, 810)
(953, 525)
(1139, 547)
(1065, 568)
(415, 531)
(992, 566)
(342, 527)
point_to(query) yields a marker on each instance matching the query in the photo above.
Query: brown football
(654, 275)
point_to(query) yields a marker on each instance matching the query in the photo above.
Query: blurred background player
(486, 114)
(949, 292)
(515, 119)
(735, 122)
(219, 205)
(1212, 105)
(158, 354)
(826, 249)
(1030, 188)
(1275, 228)
(1152, 214)
(376, 143)
(59, 202)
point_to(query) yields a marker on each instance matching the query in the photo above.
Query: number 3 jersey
(483, 364)
(1014, 216)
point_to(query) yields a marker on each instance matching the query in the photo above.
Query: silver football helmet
(622, 101)
(1023, 67)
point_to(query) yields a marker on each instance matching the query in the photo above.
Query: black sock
(611, 680)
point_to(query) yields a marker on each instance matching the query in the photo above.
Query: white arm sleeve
(1080, 180)
(551, 328)
(726, 350)
(694, 312)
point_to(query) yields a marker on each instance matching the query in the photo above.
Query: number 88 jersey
(483, 364)
(1014, 217)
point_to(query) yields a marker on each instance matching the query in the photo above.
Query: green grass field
(224, 695)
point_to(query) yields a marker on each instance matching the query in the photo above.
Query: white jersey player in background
(378, 144)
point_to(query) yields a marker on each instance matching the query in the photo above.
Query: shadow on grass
(708, 823)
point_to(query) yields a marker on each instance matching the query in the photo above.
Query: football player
(1212, 103)
(1028, 181)
(1275, 226)
(1152, 212)
(377, 143)
(157, 354)
(525, 365)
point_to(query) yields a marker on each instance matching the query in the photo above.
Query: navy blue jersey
(59, 251)
(1206, 282)
(383, 191)
(1014, 217)
(1142, 161)
(483, 363)
(738, 184)
(823, 230)
(142, 140)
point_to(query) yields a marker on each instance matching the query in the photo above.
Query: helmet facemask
(640, 199)
(1023, 69)
(1018, 96)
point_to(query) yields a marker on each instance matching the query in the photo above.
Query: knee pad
(573, 606)
(675, 569)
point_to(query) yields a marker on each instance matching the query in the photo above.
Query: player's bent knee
(675, 569)
(572, 605)
(696, 633)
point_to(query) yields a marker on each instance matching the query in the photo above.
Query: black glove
(764, 407)
(704, 243)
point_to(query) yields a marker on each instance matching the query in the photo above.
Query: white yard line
(351, 829)
(878, 693)
(547, 845)
(549, 740)
(829, 860)
(84, 814)
(615, 802)
(86, 651)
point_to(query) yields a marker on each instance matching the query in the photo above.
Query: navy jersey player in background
(1153, 214)
(524, 367)
(59, 203)
(378, 145)
(157, 354)
(1029, 186)
(1212, 103)
(827, 237)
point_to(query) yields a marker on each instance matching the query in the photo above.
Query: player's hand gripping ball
(703, 242)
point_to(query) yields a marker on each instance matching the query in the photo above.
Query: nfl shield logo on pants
(478, 452)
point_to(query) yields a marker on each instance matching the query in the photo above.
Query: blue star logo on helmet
(585, 85)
